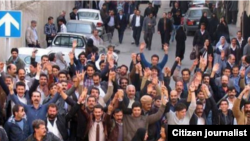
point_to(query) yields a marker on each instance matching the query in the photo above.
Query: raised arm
(157, 116)
(192, 105)
(14, 98)
(110, 87)
(143, 59)
(236, 106)
(165, 58)
(4, 86)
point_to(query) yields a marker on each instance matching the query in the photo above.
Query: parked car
(25, 53)
(94, 16)
(192, 18)
(80, 27)
(197, 3)
(63, 42)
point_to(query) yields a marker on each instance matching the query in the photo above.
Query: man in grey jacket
(149, 29)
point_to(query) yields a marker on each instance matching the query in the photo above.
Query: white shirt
(137, 21)
(202, 32)
(21, 99)
(63, 28)
(230, 104)
(102, 93)
(131, 18)
(200, 121)
(233, 48)
(131, 101)
(53, 128)
(240, 41)
(97, 41)
(111, 21)
(43, 96)
(92, 132)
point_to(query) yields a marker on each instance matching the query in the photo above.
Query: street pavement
(127, 48)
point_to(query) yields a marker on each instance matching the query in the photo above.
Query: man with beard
(55, 123)
(123, 72)
(231, 97)
(80, 108)
(88, 79)
(115, 125)
(205, 104)
(35, 111)
(131, 96)
(17, 127)
(40, 132)
(206, 81)
(11, 71)
(219, 91)
(102, 86)
(186, 77)
(173, 100)
(123, 82)
(179, 89)
(15, 60)
(242, 116)
(21, 78)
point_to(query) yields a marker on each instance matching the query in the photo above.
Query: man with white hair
(131, 96)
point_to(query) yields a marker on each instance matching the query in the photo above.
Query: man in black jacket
(73, 14)
(164, 29)
(200, 36)
(137, 22)
(121, 24)
(55, 123)
(149, 9)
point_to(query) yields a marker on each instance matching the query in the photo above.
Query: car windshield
(88, 15)
(198, 1)
(26, 58)
(66, 41)
(198, 13)
(79, 28)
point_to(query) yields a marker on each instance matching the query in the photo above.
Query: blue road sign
(10, 24)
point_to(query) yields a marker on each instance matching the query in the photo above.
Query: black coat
(72, 16)
(199, 39)
(221, 118)
(168, 25)
(121, 22)
(61, 123)
(148, 11)
(133, 22)
(205, 21)
(213, 23)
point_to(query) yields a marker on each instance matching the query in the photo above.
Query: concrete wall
(33, 10)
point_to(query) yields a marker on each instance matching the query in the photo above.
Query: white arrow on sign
(8, 20)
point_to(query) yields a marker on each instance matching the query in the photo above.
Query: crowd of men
(99, 100)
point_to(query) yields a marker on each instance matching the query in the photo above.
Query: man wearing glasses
(17, 127)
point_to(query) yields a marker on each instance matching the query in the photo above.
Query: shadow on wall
(33, 10)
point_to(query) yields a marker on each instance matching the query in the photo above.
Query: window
(66, 41)
(79, 28)
(88, 15)
(198, 13)
(26, 58)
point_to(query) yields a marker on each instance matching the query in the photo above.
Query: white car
(25, 53)
(94, 16)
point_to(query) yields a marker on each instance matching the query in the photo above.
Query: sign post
(10, 27)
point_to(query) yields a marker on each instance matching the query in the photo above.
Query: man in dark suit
(165, 29)
(200, 36)
(121, 24)
(73, 14)
(149, 9)
(241, 42)
(136, 24)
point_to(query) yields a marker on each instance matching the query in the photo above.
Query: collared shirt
(102, 93)
(202, 32)
(21, 99)
(49, 29)
(63, 28)
(233, 47)
(88, 82)
(131, 101)
(92, 132)
(111, 21)
(97, 41)
(230, 104)
(200, 121)
(120, 17)
(240, 41)
(35, 33)
(26, 84)
(137, 21)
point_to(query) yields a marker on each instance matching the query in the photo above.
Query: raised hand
(142, 46)
(110, 108)
(93, 57)
(11, 87)
(1, 66)
(120, 93)
(216, 67)
(150, 88)
(133, 56)
(39, 68)
(167, 71)
(210, 58)
(155, 81)
(195, 63)
(147, 72)
(71, 55)
(192, 87)
(59, 88)
(165, 47)
(74, 44)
